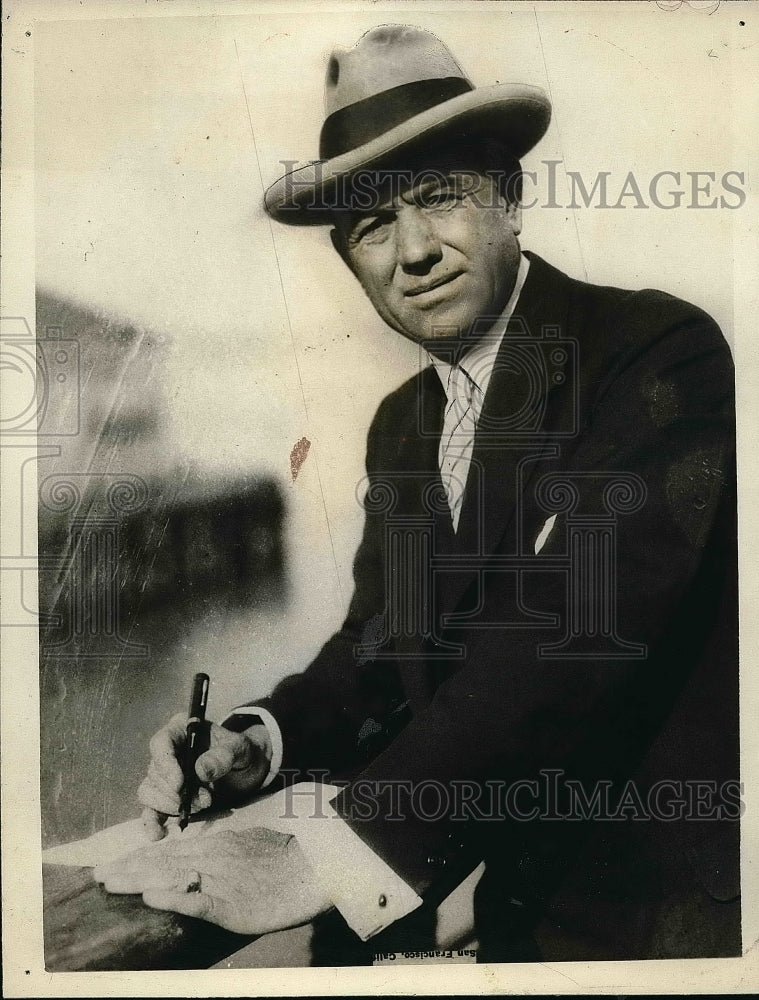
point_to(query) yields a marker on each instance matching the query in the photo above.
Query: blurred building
(138, 550)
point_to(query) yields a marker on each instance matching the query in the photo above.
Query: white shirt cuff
(275, 736)
(366, 891)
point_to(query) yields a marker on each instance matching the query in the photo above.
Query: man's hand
(235, 763)
(248, 881)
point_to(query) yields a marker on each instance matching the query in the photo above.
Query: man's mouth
(430, 286)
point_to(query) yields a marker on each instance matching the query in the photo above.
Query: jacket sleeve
(664, 411)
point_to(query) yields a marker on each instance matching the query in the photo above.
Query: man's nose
(417, 244)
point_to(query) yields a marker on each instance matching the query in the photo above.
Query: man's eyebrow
(440, 177)
(362, 214)
(434, 180)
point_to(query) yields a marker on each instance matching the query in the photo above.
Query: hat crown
(385, 57)
(397, 89)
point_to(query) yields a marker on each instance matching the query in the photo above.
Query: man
(538, 668)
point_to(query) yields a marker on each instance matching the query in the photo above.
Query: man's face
(439, 251)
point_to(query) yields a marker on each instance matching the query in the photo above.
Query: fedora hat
(399, 87)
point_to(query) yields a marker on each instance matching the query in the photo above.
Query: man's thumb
(220, 760)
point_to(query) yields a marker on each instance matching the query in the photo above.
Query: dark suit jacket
(467, 659)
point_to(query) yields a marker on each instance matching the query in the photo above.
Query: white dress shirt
(465, 386)
(366, 891)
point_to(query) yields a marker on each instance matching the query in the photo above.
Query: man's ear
(514, 215)
(338, 242)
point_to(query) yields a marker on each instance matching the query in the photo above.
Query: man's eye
(443, 199)
(370, 230)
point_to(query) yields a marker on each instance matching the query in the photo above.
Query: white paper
(117, 841)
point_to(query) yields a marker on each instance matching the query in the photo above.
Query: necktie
(457, 439)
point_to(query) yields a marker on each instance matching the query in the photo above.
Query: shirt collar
(479, 361)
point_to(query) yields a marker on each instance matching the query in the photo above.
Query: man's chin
(444, 347)
(447, 335)
(444, 329)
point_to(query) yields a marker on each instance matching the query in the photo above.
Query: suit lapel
(417, 479)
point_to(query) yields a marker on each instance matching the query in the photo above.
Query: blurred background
(221, 372)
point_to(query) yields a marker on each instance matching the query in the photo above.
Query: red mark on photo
(298, 456)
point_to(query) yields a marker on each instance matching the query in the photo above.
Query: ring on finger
(194, 883)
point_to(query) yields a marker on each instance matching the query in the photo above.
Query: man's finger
(122, 867)
(125, 883)
(169, 770)
(201, 800)
(165, 747)
(132, 884)
(170, 737)
(192, 904)
(154, 797)
(154, 823)
(166, 772)
(158, 778)
(168, 856)
(219, 760)
(156, 794)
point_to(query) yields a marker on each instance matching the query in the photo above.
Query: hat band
(359, 123)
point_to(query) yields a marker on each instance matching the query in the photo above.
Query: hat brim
(517, 114)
